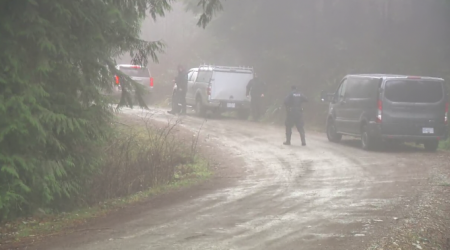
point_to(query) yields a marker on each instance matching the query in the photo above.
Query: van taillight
(446, 113)
(117, 79)
(151, 82)
(380, 109)
(208, 92)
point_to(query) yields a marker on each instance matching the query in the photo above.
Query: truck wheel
(332, 134)
(431, 146)
(243, 114)
(200, 109)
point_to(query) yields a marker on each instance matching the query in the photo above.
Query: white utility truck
(219, 89)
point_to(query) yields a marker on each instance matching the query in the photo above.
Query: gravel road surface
(268, 196)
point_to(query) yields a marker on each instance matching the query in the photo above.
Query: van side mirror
(326, 96)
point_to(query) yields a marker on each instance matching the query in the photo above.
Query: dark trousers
(182, 101)
(175, 107)
(179, 102)
(297, 121)
(256, 104)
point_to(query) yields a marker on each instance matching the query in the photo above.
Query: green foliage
(56, 59)
(209, 8)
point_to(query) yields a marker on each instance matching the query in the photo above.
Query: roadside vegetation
(138, 160)
(445, 145)
(61, 147)
(56, 121)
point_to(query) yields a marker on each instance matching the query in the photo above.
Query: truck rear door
(230, 86)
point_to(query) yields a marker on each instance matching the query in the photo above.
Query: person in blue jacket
(294, 114)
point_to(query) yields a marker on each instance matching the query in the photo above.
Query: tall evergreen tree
(57, 57)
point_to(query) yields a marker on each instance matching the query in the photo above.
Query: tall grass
(139, 156)
(140, 159)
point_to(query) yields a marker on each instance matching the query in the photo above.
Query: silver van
(392, 108)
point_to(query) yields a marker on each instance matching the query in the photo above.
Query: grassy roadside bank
(142, 160)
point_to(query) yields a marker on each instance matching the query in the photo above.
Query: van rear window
(132, 72)
(414, 91)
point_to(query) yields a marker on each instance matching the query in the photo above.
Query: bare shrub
(140, 156)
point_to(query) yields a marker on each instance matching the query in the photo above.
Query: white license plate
(231, 105)
(427, 130)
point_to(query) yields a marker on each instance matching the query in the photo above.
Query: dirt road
(323, 196)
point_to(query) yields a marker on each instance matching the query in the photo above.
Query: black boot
(303, 142)
(288, 139)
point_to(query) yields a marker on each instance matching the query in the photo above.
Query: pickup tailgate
(229, 85)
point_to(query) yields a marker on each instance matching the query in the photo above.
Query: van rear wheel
(332, 134)
(431, 146)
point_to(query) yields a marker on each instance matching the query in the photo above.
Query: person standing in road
(256, 89)
(180, 94)
(294, 114)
